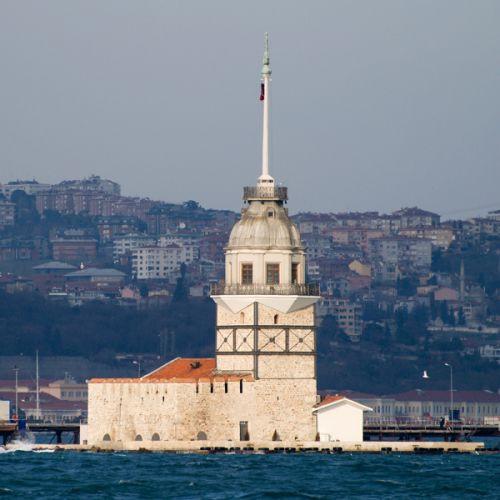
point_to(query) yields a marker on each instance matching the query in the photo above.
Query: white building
(340, 419)
(130, 242)
(189, 246)
(29, 187)
(155, 262)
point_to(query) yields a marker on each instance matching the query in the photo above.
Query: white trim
(282, 303)
(348, 401)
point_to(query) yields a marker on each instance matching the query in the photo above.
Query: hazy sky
(375, 104)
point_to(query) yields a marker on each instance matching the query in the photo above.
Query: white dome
(264, 225)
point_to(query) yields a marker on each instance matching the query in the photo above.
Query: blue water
(25, 474)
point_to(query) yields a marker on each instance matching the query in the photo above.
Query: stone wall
(125, 410)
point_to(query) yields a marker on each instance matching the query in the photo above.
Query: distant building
(349, 315)
(490, 352)
(7, 214)
(114, 225)
(95, 275)
(74, 250)
(67, 389)
(392, 255)
(355, 236)
(361, 268)
(418, 404)
(29, 187)
(130, 242)
(50, 276)
(416, 217)
(92, 183)
(155, 262)
(16, 249)
(440, 237)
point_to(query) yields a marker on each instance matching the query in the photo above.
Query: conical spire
(265, 178)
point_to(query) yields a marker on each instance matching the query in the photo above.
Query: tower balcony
(265, 193)
(306, 289)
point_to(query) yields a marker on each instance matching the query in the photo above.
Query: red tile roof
(184, 370)
(330, 399)
(192, 368)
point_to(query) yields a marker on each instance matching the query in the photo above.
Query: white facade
(155, 262)
(28, 187)
(341, 419)
(130, 242)
(190, 250)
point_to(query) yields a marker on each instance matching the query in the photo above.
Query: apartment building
(159, 262)
(348, 315)
(130, 242)
(7, 214)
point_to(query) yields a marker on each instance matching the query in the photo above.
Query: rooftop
(93, 271)
(54, 265)
(184, 370)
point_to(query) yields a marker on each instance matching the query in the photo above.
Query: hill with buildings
(88, 272)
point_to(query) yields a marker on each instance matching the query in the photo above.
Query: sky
(374, 105)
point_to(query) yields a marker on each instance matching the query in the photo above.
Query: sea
(25, 473)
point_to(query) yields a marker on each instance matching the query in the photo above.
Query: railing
(311, 289)
(403, 421)
(265, 193)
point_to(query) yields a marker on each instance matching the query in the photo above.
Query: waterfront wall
(142, 410)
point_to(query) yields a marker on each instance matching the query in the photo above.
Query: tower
(265, 309)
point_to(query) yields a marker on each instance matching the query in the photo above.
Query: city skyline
(377, 108)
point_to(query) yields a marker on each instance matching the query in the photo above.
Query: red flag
(262, 92)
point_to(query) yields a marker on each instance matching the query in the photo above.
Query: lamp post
(16, 371)
(138, 363)
(451, 390)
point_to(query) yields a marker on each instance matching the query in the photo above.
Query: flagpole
(266, 74)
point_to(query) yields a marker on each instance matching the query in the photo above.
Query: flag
(262, 92)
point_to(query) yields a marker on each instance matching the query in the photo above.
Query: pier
(9, 430)
(421, 430)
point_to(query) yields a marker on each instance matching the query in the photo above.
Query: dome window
(272, 274)
(246, 274)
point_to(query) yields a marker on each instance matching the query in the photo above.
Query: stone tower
(265, 310)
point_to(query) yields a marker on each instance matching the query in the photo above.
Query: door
(244, 435)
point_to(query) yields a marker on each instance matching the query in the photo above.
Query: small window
(241, 386)
(211, 387)
(242, 318)
(275, 319)
(295, 272)
(272, 274)
(226, 387)
(246, 274)
(155, 437)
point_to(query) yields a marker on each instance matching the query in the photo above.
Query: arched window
(138, 437)
(106, 437)
(226, 387)
(201, 436)
(155, 437)
(241, 386)
(275, 319)
(211, 387)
